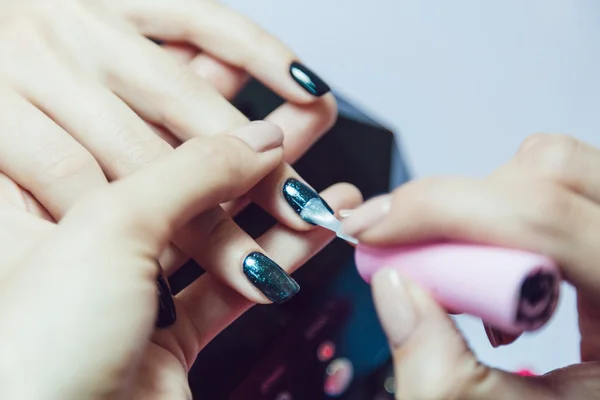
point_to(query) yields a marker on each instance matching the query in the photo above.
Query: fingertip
(260, 136)
(368, 216)
(342, 195)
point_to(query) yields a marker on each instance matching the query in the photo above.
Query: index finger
(159, 199)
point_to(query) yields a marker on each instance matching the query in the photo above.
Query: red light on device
(525, 372)
(326, 351)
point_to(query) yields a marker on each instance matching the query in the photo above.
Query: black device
(325, 343)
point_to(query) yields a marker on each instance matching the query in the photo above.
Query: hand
(78, 299)
(92, 101)
(222, 45)
(545, 200)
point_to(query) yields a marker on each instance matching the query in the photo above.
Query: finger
(212, 306)
(174, 97)
(530, 215)
(227, 80)
(159, 199)
(559, 158)
(303, 126)
(181, 52)
(50, 164)
(15, 197)
(431, 358)
(167, 93)
(111, 131)
(228, 253)
(231, 38)
(20, 234)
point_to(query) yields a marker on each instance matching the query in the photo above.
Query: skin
(79, 297)
(92, 100)
(545, 200)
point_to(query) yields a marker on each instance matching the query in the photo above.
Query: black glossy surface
(308, 80)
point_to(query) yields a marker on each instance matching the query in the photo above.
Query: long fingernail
(367, 215)
(298, 195)
(260, 136)
(166, 305)
(394, 306)
(269, 278)
(308, 80)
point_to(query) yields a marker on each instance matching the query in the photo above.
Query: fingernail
(345, 213)
(308, 80)
(394, 306)
(260, 136)
(495, 337)
(269, 278)
(367, 215)
(298, 194)
(166, 305)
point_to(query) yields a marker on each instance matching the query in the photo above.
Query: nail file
(511, 290)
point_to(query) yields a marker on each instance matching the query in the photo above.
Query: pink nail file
(511, 290)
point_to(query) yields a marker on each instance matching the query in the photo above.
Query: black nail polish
(269, 278)
(308, 80)
(166, 305)
(298, 194)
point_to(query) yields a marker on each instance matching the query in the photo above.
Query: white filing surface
(464, 81)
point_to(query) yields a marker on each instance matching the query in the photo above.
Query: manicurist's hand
(545, 200)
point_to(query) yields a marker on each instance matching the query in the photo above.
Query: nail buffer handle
(511, 290)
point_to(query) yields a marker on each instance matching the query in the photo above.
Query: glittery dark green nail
(269, 278)
(298, 194)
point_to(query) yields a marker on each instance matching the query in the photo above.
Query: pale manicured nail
(260, 136)
(367, 215)
(394, 306)
(345, 213)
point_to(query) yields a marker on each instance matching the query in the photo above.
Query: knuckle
(140, 153)
(550, 207)
(549, 153)
(179, 87)
(222, 158)
(66, 164)
(24, 37)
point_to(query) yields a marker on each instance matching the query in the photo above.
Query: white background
(464, 82)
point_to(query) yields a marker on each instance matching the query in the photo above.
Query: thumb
(431, 358)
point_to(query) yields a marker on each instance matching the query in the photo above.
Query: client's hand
(90, 100)
(546, 200)
(78, 300)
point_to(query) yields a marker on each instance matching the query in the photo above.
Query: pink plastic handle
(512, 290)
